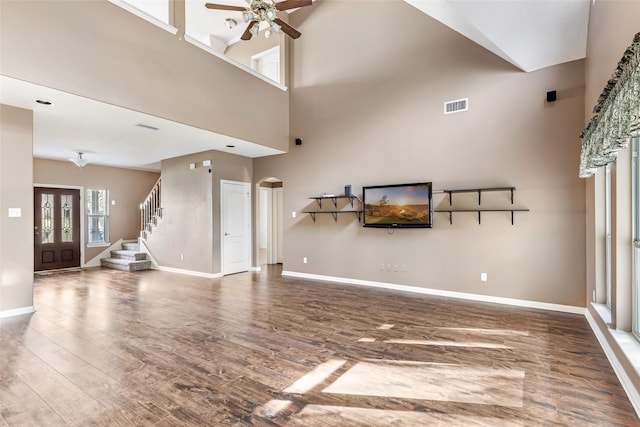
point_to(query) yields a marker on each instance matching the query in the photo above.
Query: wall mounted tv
(398, 206)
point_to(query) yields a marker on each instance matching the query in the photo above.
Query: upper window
(267, 63)
(98, 216)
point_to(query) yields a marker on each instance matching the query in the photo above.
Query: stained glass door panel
(57, 228)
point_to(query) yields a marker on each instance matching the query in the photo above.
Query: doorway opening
(270, 221)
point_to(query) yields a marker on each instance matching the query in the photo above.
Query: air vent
(456, 106)
(147, 126)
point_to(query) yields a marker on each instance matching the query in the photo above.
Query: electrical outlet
(181, 257)
(293, 214)
(483, 277)
(304, 260)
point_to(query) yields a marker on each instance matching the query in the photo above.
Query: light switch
(15, 212)
(113, 203)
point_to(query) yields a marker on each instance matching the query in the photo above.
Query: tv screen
(397, 206)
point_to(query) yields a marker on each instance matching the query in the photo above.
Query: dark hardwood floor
(111, 348)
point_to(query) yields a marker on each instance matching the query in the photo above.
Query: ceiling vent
(456, 106)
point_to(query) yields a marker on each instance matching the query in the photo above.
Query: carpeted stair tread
(125, 264)
(131, 246)
(129, 254)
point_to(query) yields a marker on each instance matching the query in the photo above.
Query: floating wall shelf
(334, 212)
(479, 191)
(479, 210)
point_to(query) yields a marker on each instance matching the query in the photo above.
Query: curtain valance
(616, 116)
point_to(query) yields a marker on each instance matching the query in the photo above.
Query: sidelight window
(98, 216)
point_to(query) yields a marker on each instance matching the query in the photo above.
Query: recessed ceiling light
(43, 102)
(230, 146)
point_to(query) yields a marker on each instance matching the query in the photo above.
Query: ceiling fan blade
(292, 4)
(223, 7)
(288, 29)
(247, 33)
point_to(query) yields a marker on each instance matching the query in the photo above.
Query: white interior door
(236, 226)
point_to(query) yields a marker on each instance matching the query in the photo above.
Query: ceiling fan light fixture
(275, 27)
(230, 23)
(270, 14)
(248, 16)
(255, 29)
(79, 161)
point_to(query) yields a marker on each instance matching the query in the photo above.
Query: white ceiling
(109, 135)
(531, 34)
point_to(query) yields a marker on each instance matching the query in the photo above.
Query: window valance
(616, 116)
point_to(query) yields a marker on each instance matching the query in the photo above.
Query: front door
(56, 228)
(236, 226)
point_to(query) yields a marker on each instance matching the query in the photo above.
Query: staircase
(151, 210)
(129, 258)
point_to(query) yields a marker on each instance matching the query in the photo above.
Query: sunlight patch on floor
(448, 343)
(319, 415)
(272, 408)
(386, 326)
(481, 331)
(478, 385)
(315, 377)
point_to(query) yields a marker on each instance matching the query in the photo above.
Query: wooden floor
(112, 348)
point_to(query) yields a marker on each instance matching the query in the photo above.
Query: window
(98, 216)
(607, 232)
(635, 214)
(267, 63)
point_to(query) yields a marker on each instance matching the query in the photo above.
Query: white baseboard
(442, 293)
(255, 269)
(190, 273)
(17, 311)
(624, 339)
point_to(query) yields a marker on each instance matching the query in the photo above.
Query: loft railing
(150, 209)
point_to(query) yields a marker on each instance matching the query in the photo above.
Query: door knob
(227, 234)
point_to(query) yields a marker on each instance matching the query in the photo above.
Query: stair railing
(150, 209)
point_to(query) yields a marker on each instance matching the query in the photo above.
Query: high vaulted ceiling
(530, 34)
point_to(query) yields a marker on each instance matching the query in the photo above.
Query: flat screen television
(398, 206)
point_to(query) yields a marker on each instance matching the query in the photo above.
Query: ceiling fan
(264, 10)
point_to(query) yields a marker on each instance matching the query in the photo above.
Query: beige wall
(372, 116)
(98, 50)
(128, 188)
(188, 235)
(16, 234)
